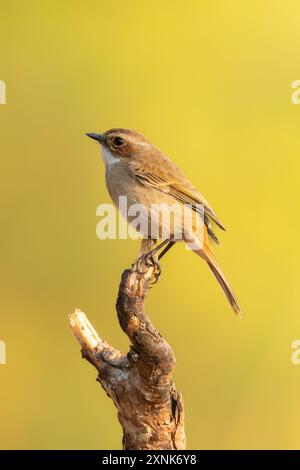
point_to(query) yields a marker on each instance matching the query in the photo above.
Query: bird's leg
(168, 242)
(147, 245)
(166, 249)
(147, 258)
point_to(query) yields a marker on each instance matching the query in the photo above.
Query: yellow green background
(210, 84)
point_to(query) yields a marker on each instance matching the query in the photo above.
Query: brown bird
(138, 170)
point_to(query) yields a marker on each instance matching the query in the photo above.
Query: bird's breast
(161, 216)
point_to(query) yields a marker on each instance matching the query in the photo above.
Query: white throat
(108, 158)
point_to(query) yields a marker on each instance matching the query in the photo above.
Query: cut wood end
(83, 330)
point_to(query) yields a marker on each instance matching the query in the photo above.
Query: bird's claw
(156, 270)
(142, 265)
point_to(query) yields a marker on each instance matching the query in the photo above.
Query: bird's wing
(162, 174)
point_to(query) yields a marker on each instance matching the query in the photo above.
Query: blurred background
(210, 84)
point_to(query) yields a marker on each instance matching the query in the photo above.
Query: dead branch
(140, 384)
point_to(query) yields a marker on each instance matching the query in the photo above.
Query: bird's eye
(118, 141)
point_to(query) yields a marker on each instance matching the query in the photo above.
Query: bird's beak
(98, 137)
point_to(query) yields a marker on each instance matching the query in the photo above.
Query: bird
(138, 170)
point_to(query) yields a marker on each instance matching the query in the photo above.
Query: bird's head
(122, 143)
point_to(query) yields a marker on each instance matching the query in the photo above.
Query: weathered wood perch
(140, 383)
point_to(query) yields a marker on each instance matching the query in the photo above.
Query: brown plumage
(137, 169)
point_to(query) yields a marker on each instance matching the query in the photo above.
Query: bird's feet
(144, 263)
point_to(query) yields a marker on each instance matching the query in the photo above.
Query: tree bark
(140, 383)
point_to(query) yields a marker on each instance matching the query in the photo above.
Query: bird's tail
(209, 257)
